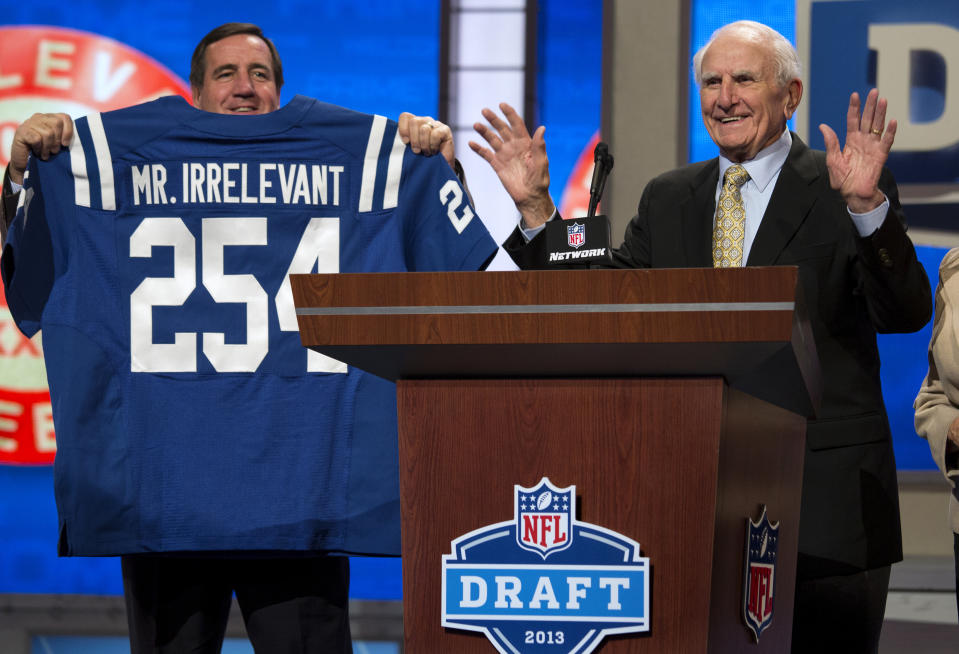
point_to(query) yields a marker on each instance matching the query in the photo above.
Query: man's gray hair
(785, 57)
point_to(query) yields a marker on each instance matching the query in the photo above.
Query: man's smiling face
(744, 106)
(238, 78)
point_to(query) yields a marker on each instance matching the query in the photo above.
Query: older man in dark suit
(770, 200)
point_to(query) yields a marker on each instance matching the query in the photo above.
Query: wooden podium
(675, 401)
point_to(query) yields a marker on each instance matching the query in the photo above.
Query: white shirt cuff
(869, 222)
(530, 234)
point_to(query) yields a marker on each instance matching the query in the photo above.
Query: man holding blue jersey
(292, 592)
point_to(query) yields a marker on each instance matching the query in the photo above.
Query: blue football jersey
(154, 254)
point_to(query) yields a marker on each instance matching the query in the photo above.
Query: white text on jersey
(239, 183)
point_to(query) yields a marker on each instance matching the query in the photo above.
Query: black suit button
(884, 257)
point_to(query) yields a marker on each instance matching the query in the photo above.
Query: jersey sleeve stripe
(21, 200)
(78, 166)
(104, 162)
(394, 170)
(368, 183)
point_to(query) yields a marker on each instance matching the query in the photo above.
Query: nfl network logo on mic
(545, 582)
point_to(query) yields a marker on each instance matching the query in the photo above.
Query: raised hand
(519, 161)
(854, 169)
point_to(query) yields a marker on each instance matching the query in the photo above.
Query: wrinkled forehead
(738, 52)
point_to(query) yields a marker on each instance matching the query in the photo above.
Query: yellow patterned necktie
(730, 220)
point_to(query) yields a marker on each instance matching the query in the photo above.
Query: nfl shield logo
(762, 540)
(543, 517)
(576, 235)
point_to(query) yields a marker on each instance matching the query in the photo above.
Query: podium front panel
(647, 458)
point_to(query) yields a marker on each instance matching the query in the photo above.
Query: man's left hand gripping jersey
(155, 257)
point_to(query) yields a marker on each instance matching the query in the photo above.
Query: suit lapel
(696, 217)
(788, 207)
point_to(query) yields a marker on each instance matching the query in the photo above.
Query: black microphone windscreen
(601, 151)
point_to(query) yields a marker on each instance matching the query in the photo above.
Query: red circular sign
(52, 69)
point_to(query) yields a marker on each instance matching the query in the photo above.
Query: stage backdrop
(381, 56)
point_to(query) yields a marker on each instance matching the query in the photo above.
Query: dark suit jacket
(854, 287)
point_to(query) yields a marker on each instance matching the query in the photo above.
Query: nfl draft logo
(543, 581)
(762, 540)
(576, 235)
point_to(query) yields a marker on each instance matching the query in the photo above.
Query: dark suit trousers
(291, 605)
(840, 614)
